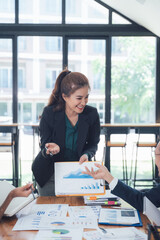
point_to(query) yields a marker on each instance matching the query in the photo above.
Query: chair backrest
(113, 132)
(154, 131)
(117, 130)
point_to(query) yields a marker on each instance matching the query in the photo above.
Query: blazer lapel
(83, 126)
(60, 128)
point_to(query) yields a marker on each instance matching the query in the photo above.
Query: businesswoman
(69, 129)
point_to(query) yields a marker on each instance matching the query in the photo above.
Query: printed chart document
(44, 222)
(17, 203)
(151, 211)
(84, 211)
(33, 219)
(71, 222)
(61, 234)
(126, 233)
(120, 216)
(69, 180)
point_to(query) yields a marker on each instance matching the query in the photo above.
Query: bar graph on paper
(70, 179)
(92, 186)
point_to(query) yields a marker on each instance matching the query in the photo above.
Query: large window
(6, 80)
(39, 63)
(85, 11)
(133, 80)
(51, 75)
(7, 11)
(92, 63)
(40, 11)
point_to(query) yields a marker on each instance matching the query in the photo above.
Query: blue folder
(105, 222)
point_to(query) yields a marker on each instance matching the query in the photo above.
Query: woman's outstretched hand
(101, 173)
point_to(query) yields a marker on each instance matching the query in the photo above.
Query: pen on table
(99, 198)
(103, 230)
(32, 192)
(105, 203)
(51, 154)
(111, 202)
(131, 209)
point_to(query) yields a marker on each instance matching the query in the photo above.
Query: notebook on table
(17, 203)
(151, 211)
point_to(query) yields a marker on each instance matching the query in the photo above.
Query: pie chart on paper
(60, 231)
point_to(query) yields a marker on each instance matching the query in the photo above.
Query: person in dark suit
(17, 192)
(69, 130)
(130, 195)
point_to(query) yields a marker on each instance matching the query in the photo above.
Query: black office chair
(145, 144)
(7, 145)
(119, 144)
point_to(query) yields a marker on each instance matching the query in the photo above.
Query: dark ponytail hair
(67, 82)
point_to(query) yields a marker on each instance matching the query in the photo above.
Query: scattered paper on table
(60, 234)
(37, 212)
(84, 211)
(127, 233)
(33, 222)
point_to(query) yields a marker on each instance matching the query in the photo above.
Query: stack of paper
(108, 199)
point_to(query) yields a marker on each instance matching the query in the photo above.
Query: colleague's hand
(157, 150)
(52, 148)
(22, 191)
(83, 158)
(101, 173)
(157, 157)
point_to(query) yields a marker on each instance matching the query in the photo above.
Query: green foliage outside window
(133, 80)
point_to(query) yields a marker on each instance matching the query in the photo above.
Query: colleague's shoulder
(49, 110)
(49, 113)
(91, 114)
(90, 110)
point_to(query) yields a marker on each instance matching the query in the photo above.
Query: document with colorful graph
(60, 234)
(69, 180)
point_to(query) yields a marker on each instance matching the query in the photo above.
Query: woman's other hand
(52, 148)
(157, 150)
(83, 158)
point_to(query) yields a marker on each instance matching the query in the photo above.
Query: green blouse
(70, 153)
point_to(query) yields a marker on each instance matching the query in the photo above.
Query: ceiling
(144, 12)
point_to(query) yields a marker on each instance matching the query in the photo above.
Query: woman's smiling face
(77, 101)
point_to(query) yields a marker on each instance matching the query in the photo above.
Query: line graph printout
(69, 179)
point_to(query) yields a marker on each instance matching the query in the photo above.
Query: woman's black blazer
(53, 129)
